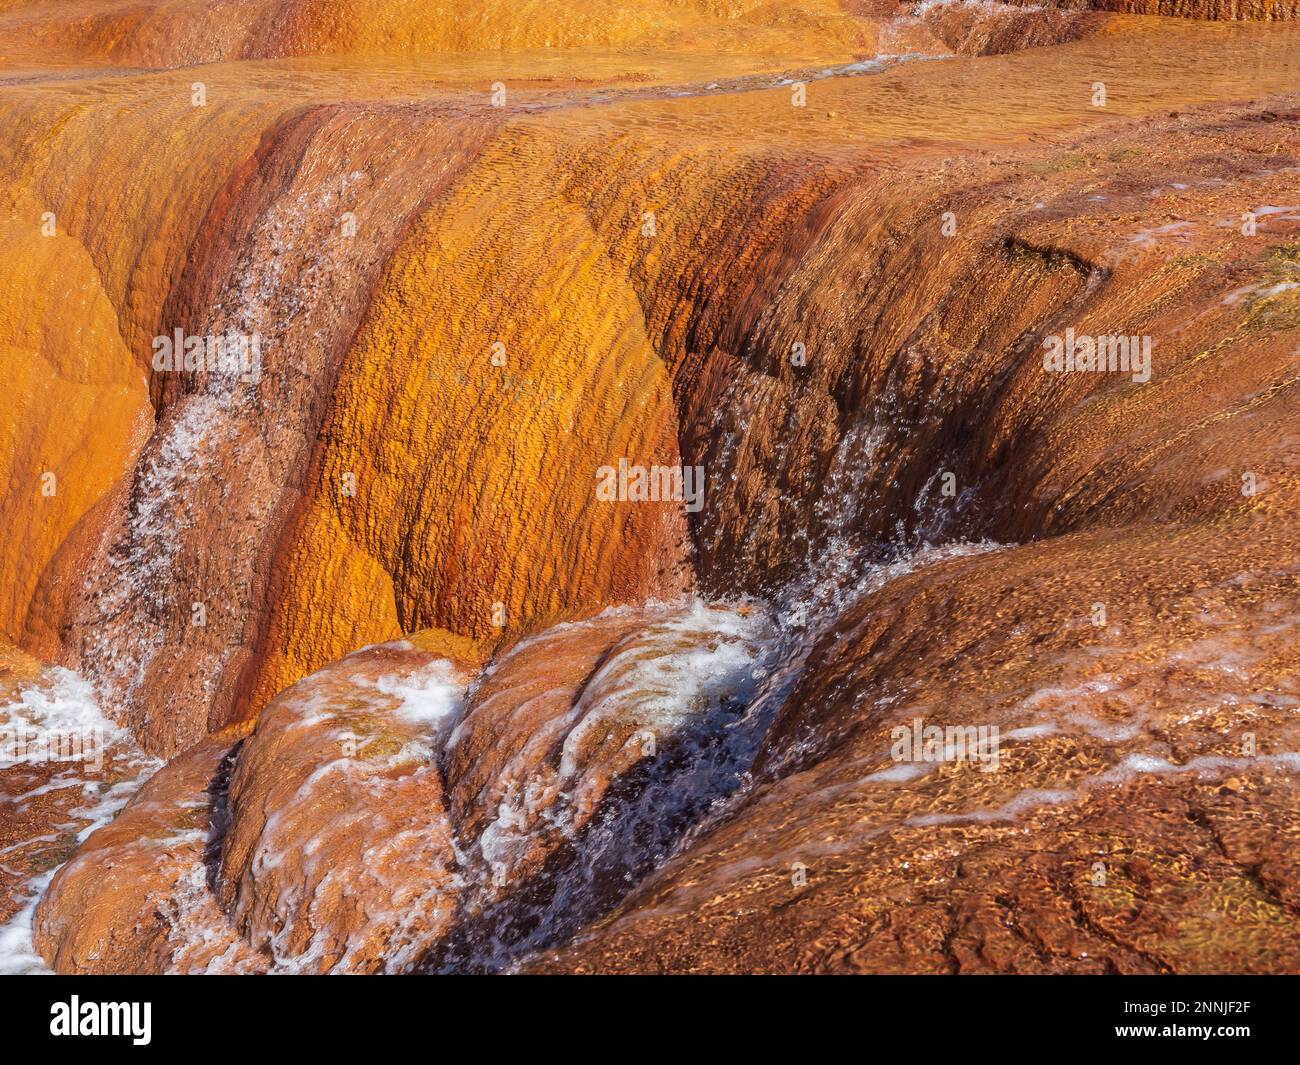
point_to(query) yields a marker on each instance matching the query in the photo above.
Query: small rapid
(712, 680)
(657, 746)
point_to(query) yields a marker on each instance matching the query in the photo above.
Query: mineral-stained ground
(657, 486)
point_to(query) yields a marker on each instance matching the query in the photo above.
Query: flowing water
(707, 680)
(100, 768)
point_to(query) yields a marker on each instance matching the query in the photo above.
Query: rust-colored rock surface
(135, 897)
(1136, 813)
(969, 330)
(327, 841)
(986, 27)
(1218, 10)
(339, 856)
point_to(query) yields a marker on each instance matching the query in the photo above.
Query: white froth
(661, 687)
(64, 703)
(431, 696)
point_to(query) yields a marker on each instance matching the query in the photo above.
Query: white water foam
(432, 696)
(62, 703)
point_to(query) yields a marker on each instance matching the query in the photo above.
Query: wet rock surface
(376, 819)
(339, 855)
(135, 897)
(1137, 814)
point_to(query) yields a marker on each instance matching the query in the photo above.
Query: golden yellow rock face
(186, 32)
(488, 419)
(77, 408)
(491, 250)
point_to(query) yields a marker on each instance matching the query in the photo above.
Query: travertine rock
(1138, 813)
(323, 841)
(468, 303)
(988, 27)
(339, 856)
(555, 722)
(137, 895)
(1249, 10)
(170, 33)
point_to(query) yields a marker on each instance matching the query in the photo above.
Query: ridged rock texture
(429, 702)
(1244, 10)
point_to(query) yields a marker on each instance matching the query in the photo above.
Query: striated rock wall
(275, 258)
(259, 532)
(1248, 10)
(76, 414)
(1146, 751)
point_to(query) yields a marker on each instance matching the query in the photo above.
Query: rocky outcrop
(1245, 10)
(339, 856)
(649, 290)
(135, 898)
(377, 819)
(583, 753)
(1135, 814)
(986, 27)
(316, 845)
